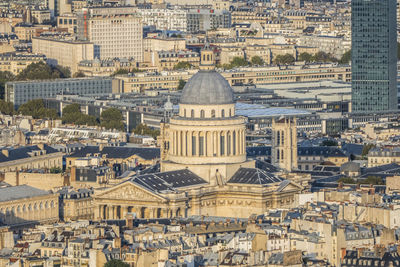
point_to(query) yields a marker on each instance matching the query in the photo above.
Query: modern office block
(374, 55)
(21, 92)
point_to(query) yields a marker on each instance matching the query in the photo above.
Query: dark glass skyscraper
(374, 55)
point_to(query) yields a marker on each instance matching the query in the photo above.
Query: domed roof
(207, 88)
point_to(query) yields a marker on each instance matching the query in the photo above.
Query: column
(172, 144)
(244, 141)
(209, 146)
(226, 143)
(189, 143)
(184, 134)
(236, 143)
(179, 143)
(218, 143)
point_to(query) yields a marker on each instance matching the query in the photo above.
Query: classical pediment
(129, 191)
(287, 185)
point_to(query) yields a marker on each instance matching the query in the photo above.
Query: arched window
(202, 114)
(223, 113)
(208, 57)
(230, 112)
(192, 113)
(222, 144)
(213, 113)
(184, 113)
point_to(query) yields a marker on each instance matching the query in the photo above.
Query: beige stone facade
(36, 209)
(38, 159)
(44, 181)
(15, 63)
(73, 51)
(251, 75)
(203, 152)
(284, 143)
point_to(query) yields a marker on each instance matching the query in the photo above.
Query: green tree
(112, 119)
(143, 129)
(284, 59)
(5, 76)
(182, 65)
(181, 84)
(55, 170)
(37, 110)
(42, 71)
(73, 108)
(72, 114)
(324, 57)
(398, 51)
(120, 72)
(346, 58)
(79, 74)
(238, 62)
(305, 57)
(329, 143)
(6, 108)
(374, 180)
(257, 60)
(366, 149)
(347, 180)
(116, 263)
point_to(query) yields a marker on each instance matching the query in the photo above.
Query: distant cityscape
(168, 133)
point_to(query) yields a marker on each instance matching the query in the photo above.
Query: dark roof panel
(253, 176)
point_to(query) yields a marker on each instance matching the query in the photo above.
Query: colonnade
(20, 213)
(208, 143)
(118, 212)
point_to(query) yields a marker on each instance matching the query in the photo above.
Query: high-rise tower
(374, 55)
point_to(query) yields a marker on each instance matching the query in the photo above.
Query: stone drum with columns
(204, 168)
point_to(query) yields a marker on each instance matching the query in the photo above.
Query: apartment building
(15, 62)
(72, 51)
(165, 19)
(246, 75)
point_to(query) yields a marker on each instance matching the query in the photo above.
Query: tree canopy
(42, 71)
(112, 119)
(5, 76)
(6, 108)
(72, 114)
(284, 59)
(324, 57)
(182, 65)
(37, 110)
(116, 263)
(366, 149)
(181, 84)
(143, 129)
(346, 57)
(329, 143)
(257, 60)
(238, 62)
(307, 57)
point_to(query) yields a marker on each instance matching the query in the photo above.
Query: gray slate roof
(19, 192)
(23, 152)
(207, 88)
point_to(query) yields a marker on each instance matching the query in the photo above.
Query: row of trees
(110, 118)
(287, 59)
(34, 71)
(374, 180)
(241, 62)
